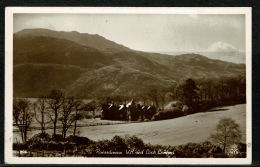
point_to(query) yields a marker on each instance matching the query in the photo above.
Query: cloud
(222, 47)
(226, 52)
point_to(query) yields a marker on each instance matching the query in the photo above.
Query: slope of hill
(117, 80)
(45, 59)
(48, 50)
(94, 41)
(35, 80)
(196, 66)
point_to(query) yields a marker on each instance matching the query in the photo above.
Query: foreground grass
(42, 145)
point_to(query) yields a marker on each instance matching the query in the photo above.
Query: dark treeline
(189, 97)
(204, 94)
(198, 94)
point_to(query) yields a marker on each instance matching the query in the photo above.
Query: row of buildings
(127, 112)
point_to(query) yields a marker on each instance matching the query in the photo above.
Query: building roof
(132, 102)
(121, 107)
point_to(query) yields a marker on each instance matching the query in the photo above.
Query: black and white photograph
(128, 85)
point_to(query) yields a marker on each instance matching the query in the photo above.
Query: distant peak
(91, 40)
(30, 30)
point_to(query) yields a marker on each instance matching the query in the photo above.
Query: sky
(195, 33)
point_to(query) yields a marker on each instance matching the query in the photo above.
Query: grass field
(191, 128)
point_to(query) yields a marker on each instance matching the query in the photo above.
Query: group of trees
(55, 109)
(199, 94)
(22, 116)
(203, 94)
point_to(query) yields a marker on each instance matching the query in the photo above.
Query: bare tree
(227, 132)
(79, 106)
(66, 115)
(144, 99)
(22, 116)
(154, 96)
(91, 106)
(174, 92)
(162, 95)
(40, 110)
(55, 101)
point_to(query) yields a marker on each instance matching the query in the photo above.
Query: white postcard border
(9, 11)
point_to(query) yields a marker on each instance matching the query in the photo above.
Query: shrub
(168, 114)
(134, 142)
(44, 136)
(39, 141)
(58, 137)
(60, 146)
(102, 145)
(38, 145)
(45, 142)
(78, 140)
(68, 145)
(20, 146)
(118, 144)
(156, 117)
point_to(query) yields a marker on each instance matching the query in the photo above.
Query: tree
(154, 96)
(66, 115)
(227, 133)
(162, 95)
(189, 92)
(144, 99)
(79, 106)
(91, 106)
(40, 110)
(173, 92)
(22, 116)
(119, 99)
(55, 101)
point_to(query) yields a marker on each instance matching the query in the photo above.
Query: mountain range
(91, 66)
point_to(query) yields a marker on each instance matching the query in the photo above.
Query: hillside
(196, 66)
(35, 80)
(49, 50)
(45, 60)
(94, 41)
